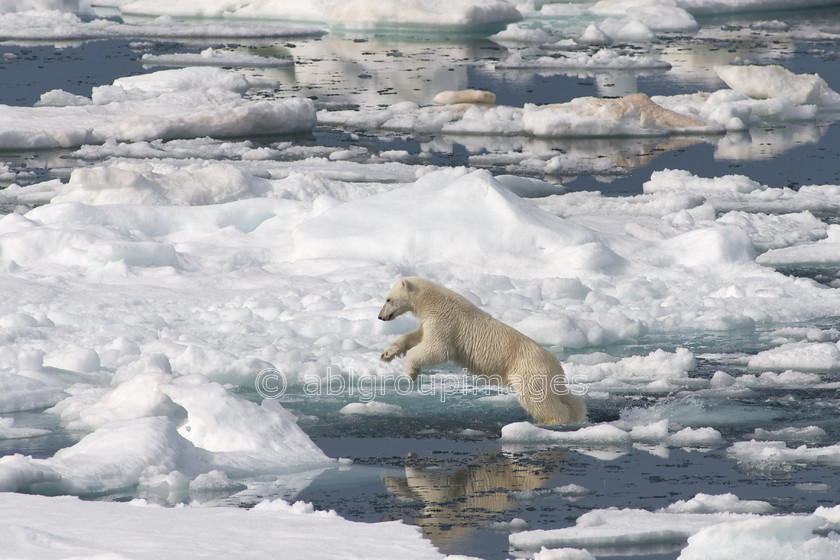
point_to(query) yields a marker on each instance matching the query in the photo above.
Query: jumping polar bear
(454, 330)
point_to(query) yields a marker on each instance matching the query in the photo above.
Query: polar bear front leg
(403, 344)
(424, 354)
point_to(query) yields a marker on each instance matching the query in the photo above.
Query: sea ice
(152, 423)
(66, 527)
(766, 537)
(601, 435)
(372, 408)
(470, 16)
(706, 503)
(215, 57)
(184, 103)
(776, 455)
(603, 59)
(742, 526)
(52, 24)
(768, 82)
(622, 528)
(802, 356)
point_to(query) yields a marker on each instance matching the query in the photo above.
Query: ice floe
(65, 527)
(153, 426)
(52, 25)
(697, 521)
(214, 57)
(190, 102)
(467, 16)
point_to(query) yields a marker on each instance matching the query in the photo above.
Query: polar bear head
(398, 300)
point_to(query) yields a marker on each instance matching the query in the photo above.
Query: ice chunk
(808, 433)
(617, 528)
(594, 35)
(115, 456)
(465, 96)
(801, 356)
(658, 15)
(768, 82)
(215, 57)
(706, 503)
(563, 554)
(777, 455)
(696, 437)
(242, 435)
(767, 537)
(633, 115)
(372, 408)
(600, 435)
(659, 364)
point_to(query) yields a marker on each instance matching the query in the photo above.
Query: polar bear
(454, 330)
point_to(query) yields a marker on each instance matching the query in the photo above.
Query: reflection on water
(456, 503)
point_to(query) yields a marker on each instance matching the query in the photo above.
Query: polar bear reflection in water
(457, 503)
(454, 330)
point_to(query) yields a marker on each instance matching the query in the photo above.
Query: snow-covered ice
(771, 536)
(67, 527)
(214, 57)
(189, 102)
(469, 16)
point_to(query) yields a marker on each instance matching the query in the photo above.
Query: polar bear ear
(407, 285)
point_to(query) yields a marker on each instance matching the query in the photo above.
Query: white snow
(66, 527)
(601, 435)
(767, 82)
(372, 408)
(776, 455)
(803, 356)
(742, 526)
(52, 24)
(459, 15)
(139, 430)
(708, 503)
(184, 103)
(767, 537)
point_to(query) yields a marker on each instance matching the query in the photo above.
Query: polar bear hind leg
(549, 403)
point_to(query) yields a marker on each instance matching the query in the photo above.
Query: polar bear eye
(388, 300)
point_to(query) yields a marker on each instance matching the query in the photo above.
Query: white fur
(454, 330)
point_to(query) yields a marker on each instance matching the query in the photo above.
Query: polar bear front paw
(390, 353)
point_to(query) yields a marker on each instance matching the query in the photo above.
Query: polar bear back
(472, 339)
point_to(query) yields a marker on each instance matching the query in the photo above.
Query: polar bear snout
(394, 307)
(388, 311)
(385, 316)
